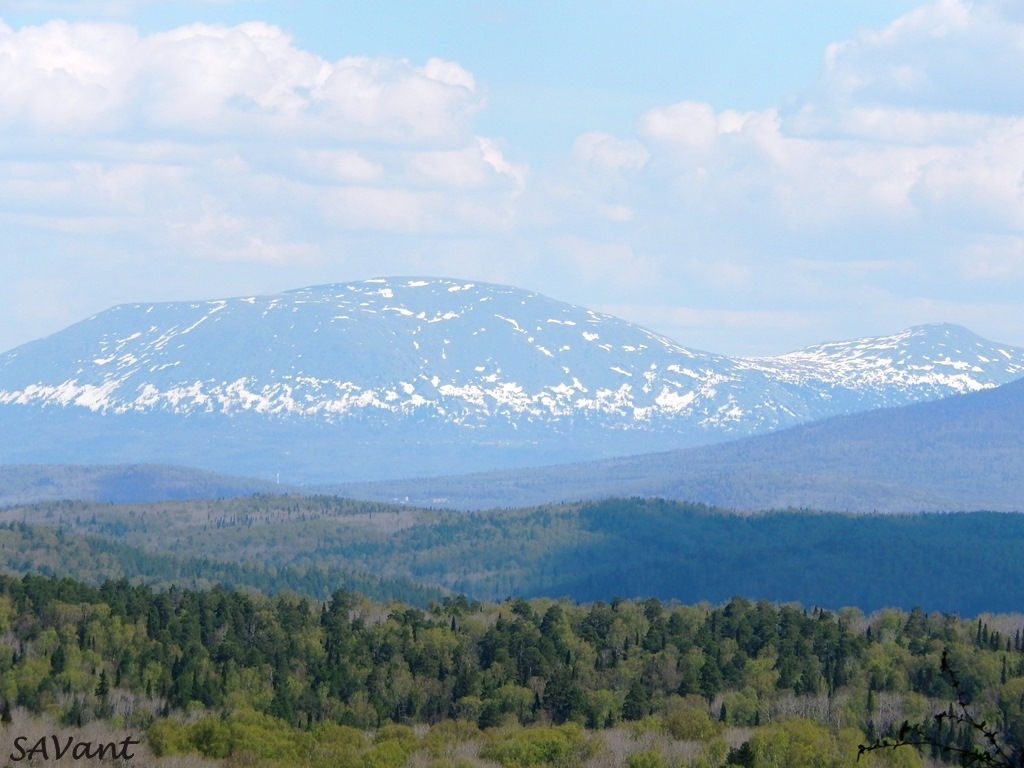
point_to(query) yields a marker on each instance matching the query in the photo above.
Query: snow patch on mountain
(470, 354)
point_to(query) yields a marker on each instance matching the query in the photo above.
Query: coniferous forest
(247, 679)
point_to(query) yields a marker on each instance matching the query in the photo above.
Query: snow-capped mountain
(488, 373)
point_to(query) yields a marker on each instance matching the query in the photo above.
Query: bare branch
(993, 753)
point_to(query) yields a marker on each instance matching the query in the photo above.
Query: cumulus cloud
(897, 175)
(173, 159)
(949, 55)
(210, 123)
(812, 180)
(888, 134)
(213, 80)
(607, 153)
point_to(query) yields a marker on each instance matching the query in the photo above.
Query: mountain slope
(963, 453)
(401, 376)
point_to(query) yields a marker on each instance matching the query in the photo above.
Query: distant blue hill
(960, 453)
(120, 484)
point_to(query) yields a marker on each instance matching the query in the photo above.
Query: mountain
(402, 377)
(960, 453)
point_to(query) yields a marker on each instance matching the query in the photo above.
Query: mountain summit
(396, 377)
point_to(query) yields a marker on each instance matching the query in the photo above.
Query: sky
(747, 177)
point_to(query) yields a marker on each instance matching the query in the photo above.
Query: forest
(966, 563)
(239, 678)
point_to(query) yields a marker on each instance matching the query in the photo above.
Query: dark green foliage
(414, 666)
(742, 755)
(955, 562)
(965, 563)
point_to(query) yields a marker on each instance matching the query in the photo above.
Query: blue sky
(747, 177)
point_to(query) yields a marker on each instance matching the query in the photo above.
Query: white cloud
(860, 147)
(211, 80)
(211, 160)
(610, 262)
(450, 73)
(825, 181)
(688, 125)
(491, 154)
(232, 138)
(897, 175)
(617, 212)
(338, 165)
(946, 56)
(64, 77)
(892, 179)
(607, 153)
(996, 257)
(469, 167)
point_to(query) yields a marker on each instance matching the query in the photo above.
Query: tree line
(145, 658)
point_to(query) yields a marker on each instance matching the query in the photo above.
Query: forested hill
(965, 563)
(287, 682)
(37, 549)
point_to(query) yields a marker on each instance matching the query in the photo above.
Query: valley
(436, 523)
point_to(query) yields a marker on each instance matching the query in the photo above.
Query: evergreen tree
(103, 687)
(638, 701)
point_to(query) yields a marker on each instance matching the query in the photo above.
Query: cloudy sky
(745, 176)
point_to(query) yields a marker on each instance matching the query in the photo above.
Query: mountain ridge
(457, 374)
